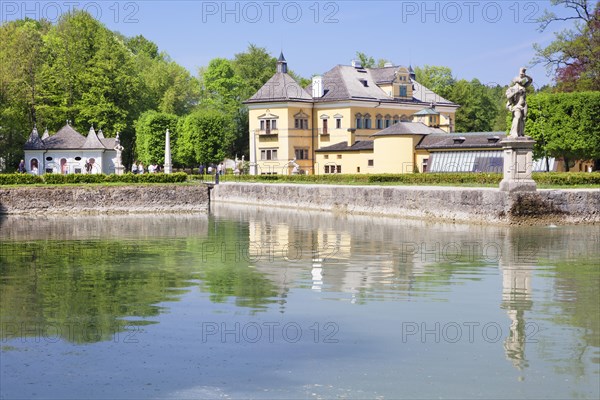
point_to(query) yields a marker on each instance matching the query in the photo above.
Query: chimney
(351, 136)
(317, 86)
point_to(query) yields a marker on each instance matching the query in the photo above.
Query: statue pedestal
(518, 164)
(119, 170)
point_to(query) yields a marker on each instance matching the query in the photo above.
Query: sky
(487, 40)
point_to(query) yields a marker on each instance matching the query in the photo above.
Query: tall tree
(574, 55)
(151, 130)
(205, 137)
(565, 125)
(255, 67)
(22, 55)
(437, 78)
(478, 110)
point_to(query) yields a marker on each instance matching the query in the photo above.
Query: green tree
(478, 110)
(254, 67)
(369, 62)
(150, 130)
(574, 55)
(565, 125)
(21, 60)
(205, 137)
(436, 78)
(365, 60)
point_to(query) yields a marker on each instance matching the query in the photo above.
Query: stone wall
(479, 205)
(93, 199)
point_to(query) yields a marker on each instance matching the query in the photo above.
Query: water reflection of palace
(363, 259)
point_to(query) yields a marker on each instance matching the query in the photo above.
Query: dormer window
(459, 140)
(493, 139)
(364, 82)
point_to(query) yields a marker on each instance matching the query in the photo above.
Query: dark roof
(281, 87)
(92, 141)
(343, 146)
(408, 128)
(34, 142)
(462, 140)
(66, 138)
(344, 82)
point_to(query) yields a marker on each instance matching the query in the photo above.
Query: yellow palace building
(358, 120)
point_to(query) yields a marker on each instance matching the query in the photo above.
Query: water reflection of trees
(61, 277)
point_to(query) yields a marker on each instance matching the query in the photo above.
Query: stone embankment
(476, 205)
(95, 199)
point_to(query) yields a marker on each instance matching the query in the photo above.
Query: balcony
(323, 131)
(267, 132)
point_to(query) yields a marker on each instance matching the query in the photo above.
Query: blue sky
(488, 40)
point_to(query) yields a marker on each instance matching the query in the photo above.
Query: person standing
(134, 167)
(21, 168)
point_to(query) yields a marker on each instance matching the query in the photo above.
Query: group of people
(138, 168)
(21, 168)
(219, 169)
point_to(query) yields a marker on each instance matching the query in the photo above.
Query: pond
(259, 303)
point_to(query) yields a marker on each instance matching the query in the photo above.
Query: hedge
(20, 179)
(491, 179)
(54, 179)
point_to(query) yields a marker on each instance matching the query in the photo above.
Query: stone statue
(119, 149)
(296, 167)
(517, 103)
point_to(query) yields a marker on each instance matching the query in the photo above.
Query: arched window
(387, 120)
(396, 119)
(64, 168)
(379, 121)
(368, 121)
(33, 166)
(359, 121)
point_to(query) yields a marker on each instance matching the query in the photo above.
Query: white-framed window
(379, 121)
(268, 154)
(325, 127)
(301, 154)
(338, 123)
(387, 121)
(359, 121)
(268, 125)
